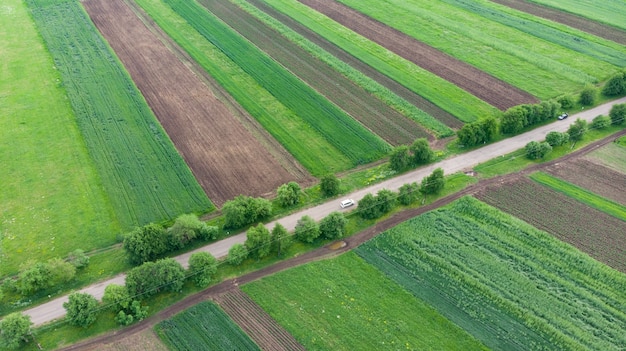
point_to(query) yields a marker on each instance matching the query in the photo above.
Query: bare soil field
(145, 340)
(567, 19)
(398, 89)
(224, 154)
(594, 177)
(484, 86)
(261, 328)
(599, 235)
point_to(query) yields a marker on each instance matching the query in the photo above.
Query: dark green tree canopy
(421, 151)
(329, 185)
(82, 309)
(408, 193)
(146, 243)
(557, 138)
(616, 85)
(306, 230)
(536, 150)
(15, 330)
(618, 114)
(588, 96)
(237, 254)
(202, 267)
(433, 183)
(258, 241)
(244, 210)
(153, 277)
(399, 159)
(333, 226)
(281, 240)
(577, 130)
(289, 194)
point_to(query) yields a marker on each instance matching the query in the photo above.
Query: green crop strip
(583, 195)
(510, 285)
(144, 177)
(203, 327)
(442, 93)
(341, 131)
(610, 12)
(542, 68)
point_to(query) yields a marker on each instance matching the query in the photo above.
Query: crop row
(203, 327)
(144, 177)
(340, 130)
(442, 93)
(539, 67)
(515, 284)
(610, 12)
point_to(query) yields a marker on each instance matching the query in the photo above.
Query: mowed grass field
(610, 12)
(141, 172)
(51, 198)
(346, 304)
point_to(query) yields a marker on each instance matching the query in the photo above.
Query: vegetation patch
(510, 285)
(609, 12)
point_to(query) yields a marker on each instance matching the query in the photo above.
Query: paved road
(54, 309)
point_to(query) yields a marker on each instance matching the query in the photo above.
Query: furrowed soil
(227, 151)
(482, 85)
(568, 19)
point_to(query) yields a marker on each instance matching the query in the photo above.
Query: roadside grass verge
(583, 195)
(609, 12)
(442, 93)
(142, 174)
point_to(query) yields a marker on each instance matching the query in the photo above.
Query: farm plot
(447, 96)
(51, 202)
(203, 327)
(142, 174)
(346, 304)
(224, 156)
(540, 67)
(354, 141)
(369, 110)
(612, 156)
(598, 179)
(610, 12)
(487, 88)
(510, 285)
(599, 235)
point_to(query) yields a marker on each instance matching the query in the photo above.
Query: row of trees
(403, 156)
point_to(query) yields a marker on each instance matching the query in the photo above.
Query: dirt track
(484, 86)
(224, 155)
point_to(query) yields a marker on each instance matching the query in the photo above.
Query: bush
(78, 258)
(329, 185)
(258, 241)
(478, 132)
(566, 102)
(280, 239)
(289, 194)
(333, 226)
(399, 158)
(186, 228)
(433, 183)
(153, 277)
(237, 254)
(616, 85)
(307, 230)
(421, 152)
(557, 138)
(601, 122)
(408, 194)
(146, 243)
(82, 309)
(202, 267)
(588, 96)
(244, 210)
(577, 130)
(618, 114)
(15, 330)
(536, 150)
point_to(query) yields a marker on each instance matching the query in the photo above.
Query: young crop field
(142, 174)
(51, 202)
(610, 11)
(373, 113)
(226, 158)
(203, 327)
(510, 285)
(540, 66)
(594, 232)
(346, 304)
(447, 96)
(612, 156)
(583, 195)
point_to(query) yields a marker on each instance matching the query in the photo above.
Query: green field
(538, 66)
(510, 285)
(463, 105)
(51, 200)
(583, 195)
(203, 327)
(608, 11)
(141, 172)
(345, 304)
(612, 155)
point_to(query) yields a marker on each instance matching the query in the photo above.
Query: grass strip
(610, 12)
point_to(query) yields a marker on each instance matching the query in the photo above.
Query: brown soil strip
(400, 90)
(484, 86)
(568, 19)
(374, 114)
(224, 156)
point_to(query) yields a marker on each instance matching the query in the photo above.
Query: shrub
(78, 258)
(399, 158)
(566, 102)
(82, 309)
(618, 114)
(588, 96)
(306, 230)
(258, 241)
(556, 138)
(421, 152)
(153, 277)
(478, 132)
(146, 243)
(237, 254)
(244, 210)
(186, 228)
(577, 130)
(280, 239)
(408, 194)
(536, 150)
(202, 267)
(329, 185)
(433, 183)
(289, 194)
(616, 85)
(333, 226)
(601, 122)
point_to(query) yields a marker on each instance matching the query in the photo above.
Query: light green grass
(583, 195)
(143, 175)
(51, 199)
(612, 155)
(345, 304)
(610, 12)
(509, 284)
(463, 105)
(537, 66)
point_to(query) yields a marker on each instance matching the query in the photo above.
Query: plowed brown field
(484, 86)
(227, 151)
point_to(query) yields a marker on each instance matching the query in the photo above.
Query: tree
(556, 138)
(433, 183)
(333, 226)
(185, 229)
(616, 85)
(399, 158)
(368, 207)
(577, 130)
(60, 271)
(306, 229)
(202, 266)
(329, 185)
(408, 193)
(601, 122)
(82, 309)
(385, 200)
(33, 276)
(421, 151)
(513, 120)
(78, 258)
(280, 239)
(236, 254)
(135, 312)
(536, 150)
(153, 277)
(289, 194)
(14, 330)
(618, 114)
(258, 241)
(588, 96)
(116, 297)
(208, 232)
(478, 132)
(146, 243)
(244, 210)
(566, 101)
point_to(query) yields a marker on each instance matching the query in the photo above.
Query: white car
(347, 203)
